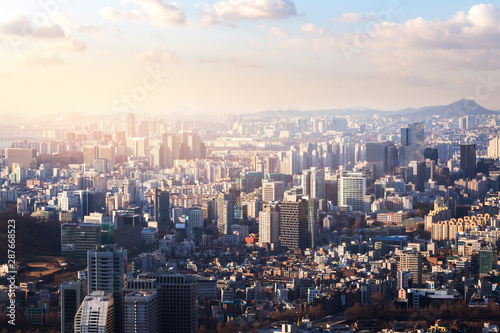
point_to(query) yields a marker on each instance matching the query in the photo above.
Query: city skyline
(236, 56)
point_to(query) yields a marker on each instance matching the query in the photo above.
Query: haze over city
(235, 56)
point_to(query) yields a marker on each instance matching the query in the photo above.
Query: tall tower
(71, 298)
(352, 188)
(269, 225)
(106, 271)
(293, 224)
(172, 146)
(312, 222)
(130, 125)
(412, 261)
(313, 183)
(97, 314)
(272, 190)
(162, 209)
(140, 312)
(225, 210)
(468, 160)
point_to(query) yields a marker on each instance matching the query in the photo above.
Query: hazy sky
(154, 56)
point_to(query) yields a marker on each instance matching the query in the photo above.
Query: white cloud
(232, 62)
(309, 28)
(350, 18)
(22, 26)
(155, 12)
(158, 56)
(231, 11)
(278, 32)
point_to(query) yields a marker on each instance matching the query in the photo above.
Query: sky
(237, 56)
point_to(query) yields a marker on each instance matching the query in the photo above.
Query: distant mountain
(457, 109)
(463, 107)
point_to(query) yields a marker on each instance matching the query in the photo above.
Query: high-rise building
(494, 147)
(269, 225)
(414, 137)
(312, 223)
(130, 125)
(486, 259)
(144, 129)
(78, 238)
(468, 160)
(140, 312)
(411, 261)
(419, 174)
(293, 224)
(97, 313)
(137, 146)
(172, 146)
(352, 189)
(272, 190)
(178, 302)
(162, 209)
(71, 298)
(391, 158)
(106, 271)
(90, 153)
(313, 183)
(108, 152)
(20, 156)
(226, 203)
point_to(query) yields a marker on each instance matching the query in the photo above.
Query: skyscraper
(312, 222)
(71, 298)
(293, 224)
(226, 203)
(130, 125)
(272, 190)
(468, 160)
(269, 225)
(106, 270)
(313, 183)
(352, 188)
(22, 157)
(411, 261)
(162, 209)
(97, 314)
(414, 138)
(172, 147)
(140, 312)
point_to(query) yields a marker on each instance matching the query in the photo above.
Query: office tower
(352, 188)
(195, 216)
(375, 152)
(90, 202)
(106, 271)
(414, 138)
(405, 280)
(130, 125)
(431, 154)
(226, 203)
(127, 233)
(313, 183)
(178, 302)
(486, 259)
(411, 261)
(97, 313)
(90, 153)
(312, 223)
(144, 129)
(78, 238)
(419, 174)
(272, 190)
(391, 158)
(191, 146)
(158, 156)
(162, 209)
(20, 156)
(172, 146)
(71, 298)
(468, 160)
(108, 152)
(331, 191)
(140, 312)
(293, 224)
(269, 225)
(137, 146)
(466, 122)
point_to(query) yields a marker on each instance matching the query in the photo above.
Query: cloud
(466, 40)
(278, 32)
(155, 12)
(230, 11)
(309, 28)
(22, 26)
(45, 60)
(350, 18)
(158, 56)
